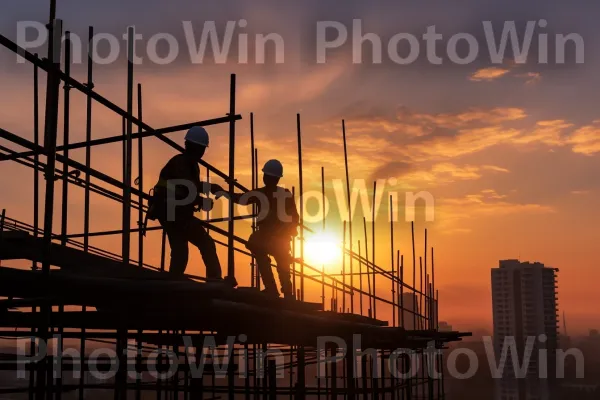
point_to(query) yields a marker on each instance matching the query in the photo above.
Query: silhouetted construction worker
(277, 225)
(177, 195)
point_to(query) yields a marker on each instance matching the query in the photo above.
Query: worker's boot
(289, 295)
(215, 281)
(231, 281)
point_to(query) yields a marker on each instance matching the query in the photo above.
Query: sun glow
(322, 249)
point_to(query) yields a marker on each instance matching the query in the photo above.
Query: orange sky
(508, 152)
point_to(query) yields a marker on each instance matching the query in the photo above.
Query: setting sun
(322, 249)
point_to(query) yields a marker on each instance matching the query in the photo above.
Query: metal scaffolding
(89, 295)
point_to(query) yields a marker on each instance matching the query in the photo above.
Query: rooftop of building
(513, 264)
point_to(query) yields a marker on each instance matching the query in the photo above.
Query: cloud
(441, 173)
(586, 140)
(483, 203)
(384, 149)
(393, 169)
(408, 122)
(492, 194)
(493, 73)
(415, 177)
(466, 141)
(422, 136)
(546, 132)
(453, 212)
(495, 168)
(414, 136)
(474, 116)
(531, 77)
(488, 74)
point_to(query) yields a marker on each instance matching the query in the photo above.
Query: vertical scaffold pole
(298, 126)
(349, 217)
(231, 175)
(140, 179)
(128, 151)
(50, 136)
(66, 126)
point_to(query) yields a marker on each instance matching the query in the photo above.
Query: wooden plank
(87, 265)
(297, 330)
(133, 293)
(247, 293)
(190, 306)
(355, 318)
(25, 247)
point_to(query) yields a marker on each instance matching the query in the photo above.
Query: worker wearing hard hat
(176, 197)
(277, 225)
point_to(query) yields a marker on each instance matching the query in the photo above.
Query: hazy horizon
(509, 151)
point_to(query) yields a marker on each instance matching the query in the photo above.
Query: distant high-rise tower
(410, 315)
(524, 299)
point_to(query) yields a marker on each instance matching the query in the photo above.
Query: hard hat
(273, 168)
(198, 135)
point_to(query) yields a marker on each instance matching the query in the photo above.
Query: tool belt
(151, 213)
(265, 238)
(153, 205)
(156, 205)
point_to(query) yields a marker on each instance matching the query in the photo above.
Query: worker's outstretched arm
(243, 199)
(204, 188)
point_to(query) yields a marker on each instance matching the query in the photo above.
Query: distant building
(524, 302)
(444, 327)
(418, 312)
(593, 338)
(564, 340)
(409, 315)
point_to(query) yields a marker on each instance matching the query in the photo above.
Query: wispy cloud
(547, 132)
(586, 140)
(424, 141)
(419, 137)
(488, 74)
(531, 77)
(454, 213)
(473, 116)
(465, 141)
(495, 168)
(492, 194)
(445, 173)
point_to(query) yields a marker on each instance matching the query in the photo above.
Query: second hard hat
(273, 168)
(198, 135)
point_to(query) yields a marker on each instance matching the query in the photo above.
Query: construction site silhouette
(86, 295)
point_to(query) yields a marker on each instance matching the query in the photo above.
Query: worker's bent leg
(284, 260)
(179, 247)
(198, 236)
(263, 261)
